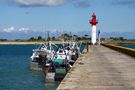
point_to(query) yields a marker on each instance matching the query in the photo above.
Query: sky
(23, 17)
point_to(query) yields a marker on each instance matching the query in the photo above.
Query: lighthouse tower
(93, 23)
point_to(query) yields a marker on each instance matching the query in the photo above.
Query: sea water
(15, 73)
(128, 45)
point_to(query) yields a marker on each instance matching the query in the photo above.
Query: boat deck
(101, 69)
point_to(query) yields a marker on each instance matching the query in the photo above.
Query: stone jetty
(101, 69)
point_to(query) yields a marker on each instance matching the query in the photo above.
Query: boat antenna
(71, 36)
(48, 34)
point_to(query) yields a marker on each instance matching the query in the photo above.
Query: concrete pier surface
(101, 69)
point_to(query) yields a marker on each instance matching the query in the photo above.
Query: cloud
(25, 30)
(82, 4)
(48, 3)
(12, 29)
(9, 29)
(128, 3)
(35, 3)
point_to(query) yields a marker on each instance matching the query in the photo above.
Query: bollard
(87, 45)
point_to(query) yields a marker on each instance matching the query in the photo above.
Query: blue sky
(24, 16)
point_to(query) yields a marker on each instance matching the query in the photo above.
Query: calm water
(14, 70)
(128, 45)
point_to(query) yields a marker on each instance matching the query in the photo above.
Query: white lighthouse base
(93, 35)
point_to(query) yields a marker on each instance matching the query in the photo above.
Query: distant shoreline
(17, 43)
(23, 43)
(55, 42)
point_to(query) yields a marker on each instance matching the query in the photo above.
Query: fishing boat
(47, 50)
(63, 60)
(55, 62)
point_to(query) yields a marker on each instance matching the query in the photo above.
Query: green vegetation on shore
(40, 38)
(66, 37)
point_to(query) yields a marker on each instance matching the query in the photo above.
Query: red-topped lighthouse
(93, 22)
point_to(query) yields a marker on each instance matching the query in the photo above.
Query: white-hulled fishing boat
(57, 61)
(46, 49)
